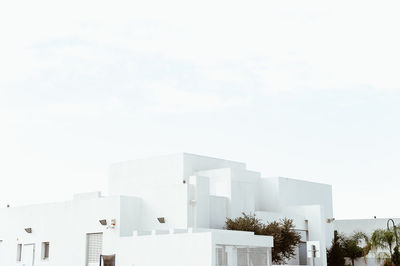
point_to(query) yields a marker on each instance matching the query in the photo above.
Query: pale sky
(302, 89)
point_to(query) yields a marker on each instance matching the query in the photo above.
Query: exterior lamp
(113, 223)
(330, 220)
(394, 230)
(103, 222)
(161, 220)
(28, 230)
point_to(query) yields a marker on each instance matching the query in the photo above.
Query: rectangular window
(19, 252)
(303, 260)
(45, 250)
(94, 248)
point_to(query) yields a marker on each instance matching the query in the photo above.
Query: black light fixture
(161, 220)
(330, 220)
(103, 222)
(28, 230)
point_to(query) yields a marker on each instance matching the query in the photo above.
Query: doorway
(28, 255)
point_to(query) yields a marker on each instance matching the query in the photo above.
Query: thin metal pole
(314, 251)
(394, 229)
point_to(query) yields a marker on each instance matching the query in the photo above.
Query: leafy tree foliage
(396, 256)
(335, 254)
(347, 247)
(352, 250)
(383, 244)
(286, 238)
(363, 238)
(384, 240)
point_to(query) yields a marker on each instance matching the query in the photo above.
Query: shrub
(286, 238)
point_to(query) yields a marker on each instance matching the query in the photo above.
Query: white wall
(130, 215)
(293, 192)
(194, 163)
(367, 226)
(161, 170)
(268, 195)
(309, 204)
(317, 228)
(166, 250)
(199, 207)
(218, 212)
(239, 186)
(159, 183)
(184, 249)
(64, 225)
(294, 196)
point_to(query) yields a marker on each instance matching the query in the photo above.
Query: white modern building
(170, 211)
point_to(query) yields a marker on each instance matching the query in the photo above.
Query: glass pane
(222, 256)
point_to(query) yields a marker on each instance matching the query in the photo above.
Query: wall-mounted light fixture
(103, 222)
(113, 223)
(28, 230)
(161, 220)
(330, 220)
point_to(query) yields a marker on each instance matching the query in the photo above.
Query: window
(19, 252)
(94, 248)
(45, 250)
(302, 253)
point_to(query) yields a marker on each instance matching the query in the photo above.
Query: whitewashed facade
(168, 210)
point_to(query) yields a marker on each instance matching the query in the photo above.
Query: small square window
(19, 252)
(45, 250)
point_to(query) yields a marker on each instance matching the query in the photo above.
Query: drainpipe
(191, 198)
(193, 202)
(194, 213)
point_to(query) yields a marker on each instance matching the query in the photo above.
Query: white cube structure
(170, 210)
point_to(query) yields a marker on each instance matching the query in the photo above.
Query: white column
(269, 256)
(248, 257)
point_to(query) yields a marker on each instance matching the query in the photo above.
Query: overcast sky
(301, 89)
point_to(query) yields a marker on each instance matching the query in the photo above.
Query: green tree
(335, 254)
(384, 240)
(286, 238)
(396, 256)
(364, 240)
(382, 244)
(352, 250)
(352, 247)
